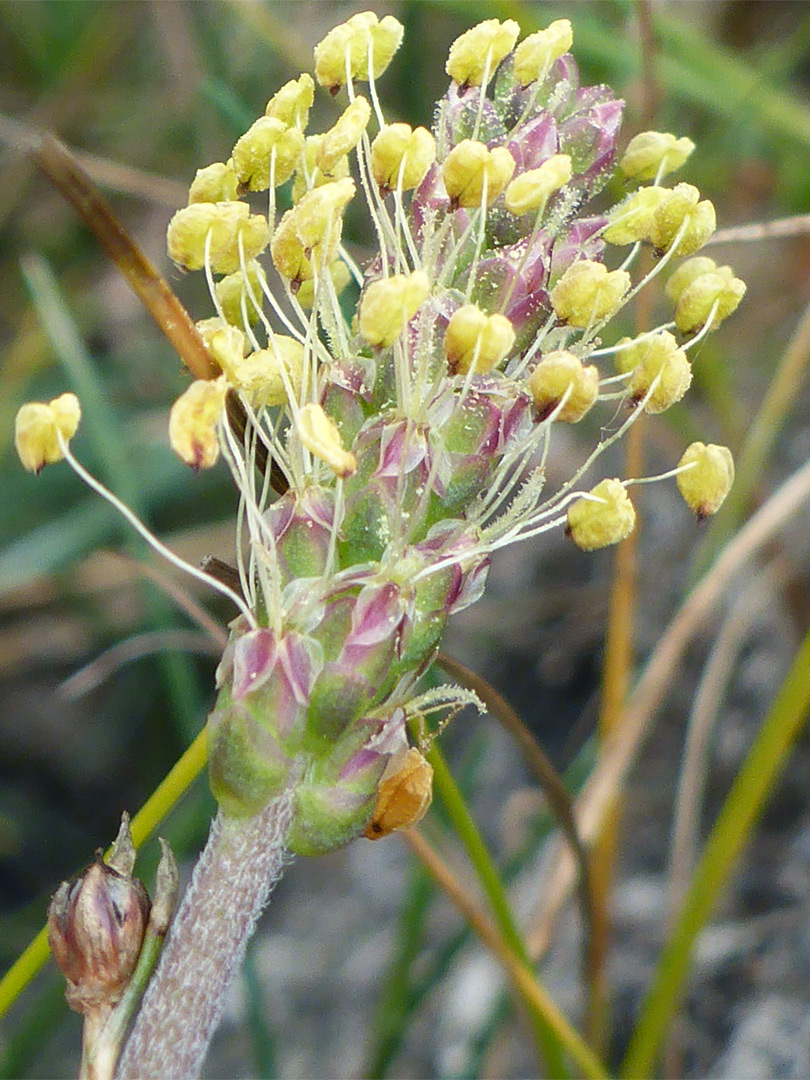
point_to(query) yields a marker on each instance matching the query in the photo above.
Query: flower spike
(404, 397)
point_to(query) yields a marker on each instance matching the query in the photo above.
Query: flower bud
(531, 189)
(96, 924)
(268, 142)
(226, 222)
(632, 219)
(476, 340)
(389, 304)
(291, 104)
(604, 517)
(345, 49)
(536, 53)
(194, 422)
(36, 427)
(559, 374)
(233, 288)
(588, 292)
(479, 50)
(260, 372)
(680, 208)
(400, 156)
(215, 183)
(705, 485)
(404, 794)
(697, 299)
(321, 437)
(470, 167)
(663, 363)
(652, 155)
(345, 135)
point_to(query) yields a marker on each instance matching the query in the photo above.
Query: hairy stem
(232, 881)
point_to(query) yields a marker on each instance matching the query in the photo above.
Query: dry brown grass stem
(522, 978)
(797, 225)
(152, 289)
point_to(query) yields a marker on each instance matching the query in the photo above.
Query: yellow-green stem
(548, 1040)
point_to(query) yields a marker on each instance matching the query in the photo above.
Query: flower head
(389, 440)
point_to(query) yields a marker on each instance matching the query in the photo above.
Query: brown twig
(780, 228)
(152, 289)
(521, 976)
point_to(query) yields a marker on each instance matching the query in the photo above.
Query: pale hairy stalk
(232, 881)
(621, 751)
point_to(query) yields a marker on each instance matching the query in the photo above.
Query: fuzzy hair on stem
(242, 862)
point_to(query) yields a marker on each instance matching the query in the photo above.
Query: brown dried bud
(96, 924)
(404, 795)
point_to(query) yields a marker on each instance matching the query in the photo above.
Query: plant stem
(754, 784)
(517, 968)
(232, 881)
(546, 1038)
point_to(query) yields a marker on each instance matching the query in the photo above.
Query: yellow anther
(320, 435)
(225, 342)
(215, 183)
(652, 155)
(287, 251)
(632, 219)
(705, 485)
(400, 155)
(531, 189)
(404, 795)
(476, 340)
(267, 142)
(308, 175)
(318, 215)
(698, 286)
(194, 422)
(345, 135)
(605, 517)
(686, 274)
(470, 166)
(339, 273)
(588, 292)
(536, 53)
(562, 375)
(345, 50)
(660, 361)
(683, 207)
(36, 428)
(226, 222)
(389, 304)
(231, 289)
(261, 374)
(291, 104)
(479, 50)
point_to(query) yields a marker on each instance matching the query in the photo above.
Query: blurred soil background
(105, 676)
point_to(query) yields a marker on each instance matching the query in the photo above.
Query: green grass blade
(744, 803)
